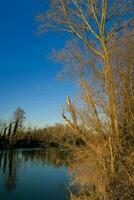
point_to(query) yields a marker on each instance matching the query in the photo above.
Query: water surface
(33, 174)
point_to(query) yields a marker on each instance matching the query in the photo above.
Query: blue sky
(27, 77)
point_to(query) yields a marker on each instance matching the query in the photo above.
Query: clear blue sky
(27, 77)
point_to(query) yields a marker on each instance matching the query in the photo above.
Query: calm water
(33, 175)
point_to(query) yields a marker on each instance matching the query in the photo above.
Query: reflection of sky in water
(31, 178)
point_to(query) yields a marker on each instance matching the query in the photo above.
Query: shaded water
(33, 174)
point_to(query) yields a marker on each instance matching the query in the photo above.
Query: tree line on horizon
(14, 134)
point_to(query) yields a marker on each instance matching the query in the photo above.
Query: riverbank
(10, 143)
(24, 143)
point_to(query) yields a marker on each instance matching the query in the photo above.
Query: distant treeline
(14, 135)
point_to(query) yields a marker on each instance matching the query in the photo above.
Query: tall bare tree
(95, 64)
(18, 118)
(94, 23)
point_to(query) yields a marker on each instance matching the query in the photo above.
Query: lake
(33, 174)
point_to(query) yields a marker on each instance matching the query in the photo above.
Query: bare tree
(94, 23)
(18, 118)
(10, 129)
(122, 51)
(2, 124)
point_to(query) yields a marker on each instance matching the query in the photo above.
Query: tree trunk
(10, 129)
(15, 128)
(111, 90)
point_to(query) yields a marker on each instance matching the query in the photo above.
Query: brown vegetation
(99, 59)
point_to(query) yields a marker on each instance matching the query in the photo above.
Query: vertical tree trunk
(15, 128)
(10, 129)
(112, 98)
(4, 132)
(111, 90)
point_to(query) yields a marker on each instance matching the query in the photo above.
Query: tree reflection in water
(10, 160)
(79, 170)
